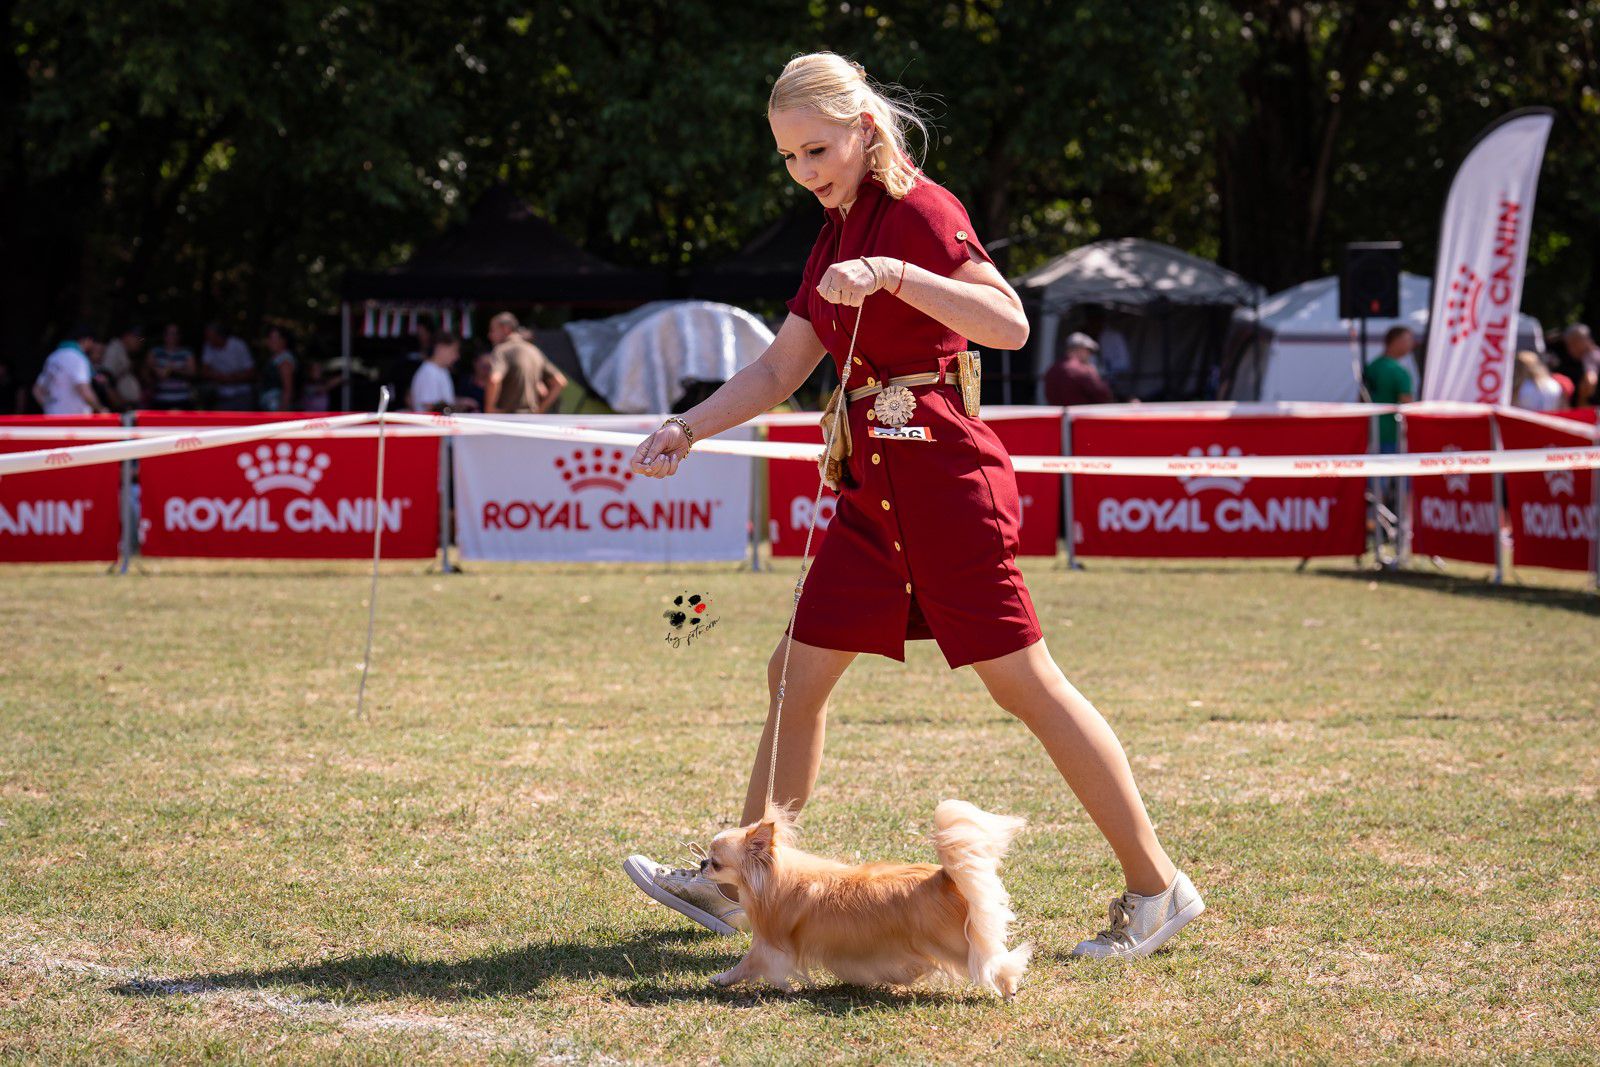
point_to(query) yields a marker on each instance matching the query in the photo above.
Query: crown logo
(283, 466)
(1461, 304)
(597, 466)
(1193, 485)
(1562, 483)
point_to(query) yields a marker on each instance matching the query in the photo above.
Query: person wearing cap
(1073, 379)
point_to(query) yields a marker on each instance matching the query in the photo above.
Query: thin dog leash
(816, 506)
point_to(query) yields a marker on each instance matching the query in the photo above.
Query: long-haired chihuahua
(876, 923)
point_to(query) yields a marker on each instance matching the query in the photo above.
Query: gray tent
(1161, 315)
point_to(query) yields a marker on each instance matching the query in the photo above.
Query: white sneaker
(687, 891)
(1140, 925)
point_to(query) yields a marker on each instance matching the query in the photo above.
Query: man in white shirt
(62, 387)
(431, 387)
(226, 361)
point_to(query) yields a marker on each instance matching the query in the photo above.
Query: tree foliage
(214, 158)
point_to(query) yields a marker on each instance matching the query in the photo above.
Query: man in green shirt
(1388, 382)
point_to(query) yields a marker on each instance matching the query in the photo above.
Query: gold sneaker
(688, 892)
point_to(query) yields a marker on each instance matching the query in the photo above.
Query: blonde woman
(924, 540)
(1533, 386)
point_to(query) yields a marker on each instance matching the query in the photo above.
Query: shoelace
(698, 853)
(1119, 915)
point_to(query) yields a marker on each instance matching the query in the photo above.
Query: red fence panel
(1218, 516)
(289, 499)
(59, 515)
(1452, 515)
(1552, 512)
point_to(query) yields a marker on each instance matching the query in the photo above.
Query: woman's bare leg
(1029, 685)
(813, 672)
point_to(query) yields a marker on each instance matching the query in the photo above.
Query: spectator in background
(317, 394)
(1585, 358)
(226, 362)
(476, 385)
(118, 361)
(425, 344)
(1073, 379)
(521, 378)
(169, 372)
(1533, 386)
(1388, 382)
(278, 392)
(64, 385)
(432, 388)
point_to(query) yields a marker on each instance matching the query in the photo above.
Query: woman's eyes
(812, 152)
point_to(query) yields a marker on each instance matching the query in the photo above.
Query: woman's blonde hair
(839, 89)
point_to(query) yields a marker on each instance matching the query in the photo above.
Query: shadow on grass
(653, 965)
(1580, 601)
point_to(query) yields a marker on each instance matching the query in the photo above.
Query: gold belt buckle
(894, 405)
(968, 367)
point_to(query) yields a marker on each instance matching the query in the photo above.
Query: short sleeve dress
(924, 540)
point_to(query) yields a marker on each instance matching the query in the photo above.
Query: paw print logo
(586, 468)
(1197, 483)
(688, 615)
(1462, 303)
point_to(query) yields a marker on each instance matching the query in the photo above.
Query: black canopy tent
(504, 251)
(1171, 311)
(769, 267)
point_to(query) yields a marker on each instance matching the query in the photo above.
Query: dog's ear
(761, 836)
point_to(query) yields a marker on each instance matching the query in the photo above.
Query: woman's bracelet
(902, 281)
(877, 283)
(683, 425)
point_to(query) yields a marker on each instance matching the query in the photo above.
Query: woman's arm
(771, 379)
(975, 301)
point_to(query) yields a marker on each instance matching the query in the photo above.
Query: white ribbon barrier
(1537, 459)
(1350, 466)
(170, 443)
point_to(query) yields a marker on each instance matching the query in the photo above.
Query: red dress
(924, 544)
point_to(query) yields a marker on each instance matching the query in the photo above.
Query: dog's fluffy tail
(971, 842)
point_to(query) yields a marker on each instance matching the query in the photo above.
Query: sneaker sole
(677, 904)
(1162, 935)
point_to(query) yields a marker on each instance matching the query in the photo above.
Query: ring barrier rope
(1510, 461)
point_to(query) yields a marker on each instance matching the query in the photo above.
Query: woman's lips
(824, 190)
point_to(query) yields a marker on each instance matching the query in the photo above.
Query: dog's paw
(725, 979)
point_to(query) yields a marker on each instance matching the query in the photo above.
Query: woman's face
(827, 158)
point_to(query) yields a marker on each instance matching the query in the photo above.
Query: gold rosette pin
(894, 406)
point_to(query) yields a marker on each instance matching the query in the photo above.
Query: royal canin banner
(1552, 512)
(1483, 250)
(1452, 516)
(1218, 514)
(297, 498)
(520, 498)
(59, 515)
(792, 487)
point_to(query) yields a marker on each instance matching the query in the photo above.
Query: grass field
(1385, 789)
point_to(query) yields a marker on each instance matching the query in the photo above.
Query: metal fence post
(1403, 498)
(130, 517)
(446, 509)
(1499, 507)
(1069, 525)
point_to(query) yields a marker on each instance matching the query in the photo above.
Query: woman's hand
(657, 455)
(850, 282)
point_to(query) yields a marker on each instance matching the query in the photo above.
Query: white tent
(646, 359)
(1299, 349)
